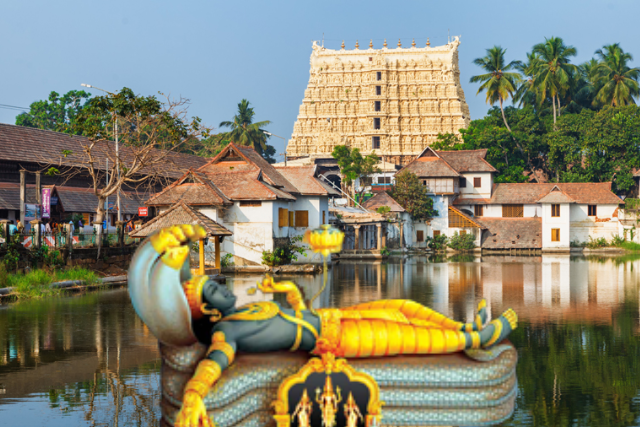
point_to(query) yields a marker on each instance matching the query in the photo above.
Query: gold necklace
(256, 311)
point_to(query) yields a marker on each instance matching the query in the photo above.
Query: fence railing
(58, 240)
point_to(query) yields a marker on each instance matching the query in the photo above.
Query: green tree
(619, 82)
(245, 132)
(58, 113)
(498, 82)
(354, 166)
(553, 70)
(409, 192)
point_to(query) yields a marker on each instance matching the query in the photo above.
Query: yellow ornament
(324, 240)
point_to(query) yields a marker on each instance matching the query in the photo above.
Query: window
(366, 181)
(593, 210)
(378, 90)
(376, 123)
(478, 210)
(376, 106)
(302, 218)
(384, 180)
(4, 213)
(291, 218)
(555, 210)
(251, 203)
(436, 233)
(555, 234)
(462, 232)
(512, 211)
(283, 217)
(379, 75)
(375, 142)
(324, 218)
(477, 182)
(463, 182)
(420, 236)
(424, 182)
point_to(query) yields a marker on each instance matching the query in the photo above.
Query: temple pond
(89, 361)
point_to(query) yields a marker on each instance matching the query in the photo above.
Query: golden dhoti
(391, 327)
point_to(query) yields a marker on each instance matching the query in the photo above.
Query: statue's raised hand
(193, 412)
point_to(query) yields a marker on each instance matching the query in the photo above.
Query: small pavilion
(181, 213)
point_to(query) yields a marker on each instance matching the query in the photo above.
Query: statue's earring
(214, 313)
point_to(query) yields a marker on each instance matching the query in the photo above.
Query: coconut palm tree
(619, 81)
(498, 82)
(553, 70)
(244, 131)
(527, 93)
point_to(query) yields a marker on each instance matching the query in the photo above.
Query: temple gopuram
(391, 101)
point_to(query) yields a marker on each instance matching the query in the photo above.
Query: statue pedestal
(443, 390)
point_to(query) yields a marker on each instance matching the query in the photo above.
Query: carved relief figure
(352, 412)
(303, 411)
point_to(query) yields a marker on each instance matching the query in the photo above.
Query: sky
(215, 53)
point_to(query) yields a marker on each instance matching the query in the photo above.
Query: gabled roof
(304, 180)
(238, 158)
(177, 214)
(582, 193)
(246, 185)
(464, 217)
(467, 160)
(382, 199)
(429, 164)
(512, 233)
(25, 144)
(193, 188)
(461, 201)
(556, 196)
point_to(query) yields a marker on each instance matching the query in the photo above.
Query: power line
(13, 107)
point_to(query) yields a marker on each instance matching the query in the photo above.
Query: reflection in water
(89, 360)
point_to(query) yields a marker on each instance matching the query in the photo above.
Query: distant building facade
(391, 101)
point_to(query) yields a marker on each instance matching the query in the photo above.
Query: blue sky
(216, 53)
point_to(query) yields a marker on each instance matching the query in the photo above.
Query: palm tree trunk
(559, 111)
(503, 117)
(553, 101)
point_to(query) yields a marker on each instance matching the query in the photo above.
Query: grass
(630, 246)
(35, 284)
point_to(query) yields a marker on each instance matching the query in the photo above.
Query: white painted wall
(584, 226)
(252, 228)
(484, 191)
(563, 222)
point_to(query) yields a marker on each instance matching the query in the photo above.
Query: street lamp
(117, 155)
(285, 144)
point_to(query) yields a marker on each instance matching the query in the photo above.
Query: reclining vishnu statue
(181, 309)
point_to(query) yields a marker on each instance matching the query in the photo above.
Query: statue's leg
(426, 316)
(367, 338)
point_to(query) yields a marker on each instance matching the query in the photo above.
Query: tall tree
(498, 82)
(354, 166)
(619, 82)
(553, 69)
(526, 94)
(590, 77)
(57, 113)
(245, 132)
(409, 192)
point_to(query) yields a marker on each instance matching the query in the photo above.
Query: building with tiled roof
(261, 205)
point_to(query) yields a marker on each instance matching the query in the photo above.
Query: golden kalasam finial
(428, 42)
(371, 44)
(342, 45)
(324, 240)
(399, 44)
(357, 45)
(385, 43)
(413, 43)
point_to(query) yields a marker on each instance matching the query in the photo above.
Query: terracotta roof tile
(303, 179)
(25, 144)
(467, 160)
(582, 193)
(556, 196)
(193, 188)
(512, 233)
(246, 186)
(471, 201)
(430, 167)
(178, 214)
(382, 199)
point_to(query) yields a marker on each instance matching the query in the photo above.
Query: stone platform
(474, 389)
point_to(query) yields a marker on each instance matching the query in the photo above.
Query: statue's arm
(294, 296)
(220, 355)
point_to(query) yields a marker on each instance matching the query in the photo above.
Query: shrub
(437, 243)
(226, 260)
(383, 210)
(600, 242)
(284, 254)
(462, 242)
(4, 276)
(384, 251)
(617, 240)
(630, 203)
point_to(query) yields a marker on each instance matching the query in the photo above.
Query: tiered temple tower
(391, 101)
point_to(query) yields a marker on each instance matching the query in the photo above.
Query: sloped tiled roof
(177, 214)
(471, 219)
(511, 233)
(25, 144)
(556, 196)
(303, 179)
(382, 199)
(470, 201)
(467, 160)
(200, 191)
(246, 186)
(427, 167)
(581, 193)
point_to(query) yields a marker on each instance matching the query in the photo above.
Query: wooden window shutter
(478, 210)
(555, 234)
(436, 233)
(512, 211)
(292, 219)
(302, 218)
(420, 236)
(283, 217)
(324, 218)
(555, 210)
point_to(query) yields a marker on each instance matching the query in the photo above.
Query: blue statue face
(218, 296)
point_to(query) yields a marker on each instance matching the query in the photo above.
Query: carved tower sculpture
(392, 102)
